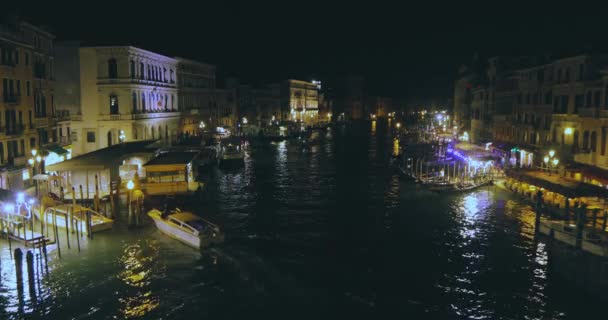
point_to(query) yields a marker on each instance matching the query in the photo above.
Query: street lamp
(244, 120)
(546, 160)
(551, 153)
(34, 152)
(398, 125)
(130, 186)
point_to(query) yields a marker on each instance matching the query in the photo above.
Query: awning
(592, 172)
(57, 149)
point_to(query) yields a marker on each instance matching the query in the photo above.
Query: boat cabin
(172, 173)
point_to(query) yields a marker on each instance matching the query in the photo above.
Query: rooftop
(105, 157)
(181, 157)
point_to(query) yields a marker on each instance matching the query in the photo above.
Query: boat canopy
(185, 216)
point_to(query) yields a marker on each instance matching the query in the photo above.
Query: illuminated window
(113, 104)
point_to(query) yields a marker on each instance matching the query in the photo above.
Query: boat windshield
(197, 225)
(231, 148)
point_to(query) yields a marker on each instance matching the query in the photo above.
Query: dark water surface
(329, 232)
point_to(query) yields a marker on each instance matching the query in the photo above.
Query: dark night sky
(407, 51)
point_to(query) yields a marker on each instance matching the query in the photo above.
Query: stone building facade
(27, 98)
(126, 94)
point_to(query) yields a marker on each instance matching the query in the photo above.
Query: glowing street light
(20, 197)
(34, 152)
(30, 161)
(551, 153)
(568, 131)
(546, 160)
(398, 125)
(201, 125)
(130, 185)
(244, 120)
(555, 162)
(8, 208)
(38, 158)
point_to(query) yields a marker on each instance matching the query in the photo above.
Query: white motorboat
(187, 228)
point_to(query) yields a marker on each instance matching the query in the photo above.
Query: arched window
(171, 76)
(160, 133)
(586, 140)
(134, 101)
(167, 132)
(113, 104)
(164, 74)
(143, 102)
(588, 99)
(593, 141)
(112, 69)
(141, 70)
(596, 99)
(172, 102)
(132, 69)
(152, 129)
(575, 140)
(166, 101)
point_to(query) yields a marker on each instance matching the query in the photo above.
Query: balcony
(588, 112)
(13, 130)
(62, 115)
(65, 140)
(114, 117)
(19, 161)
(41, 122)
(156, 115)
(11, 99)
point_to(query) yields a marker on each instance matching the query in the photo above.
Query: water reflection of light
(396, 147)
(138, 262)
(471, 206)
(374, 126)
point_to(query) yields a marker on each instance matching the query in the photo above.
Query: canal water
(325, 232)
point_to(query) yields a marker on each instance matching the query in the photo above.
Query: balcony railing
(64, 140)
(62, 115)
(155, 115)
(41, 122)
(588, 112)
(15, 130)
(11, 99)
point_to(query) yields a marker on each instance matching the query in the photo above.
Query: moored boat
(232, 153)
(187, 228)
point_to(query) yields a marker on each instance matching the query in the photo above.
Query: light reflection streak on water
(138, 261)
(472, 212)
